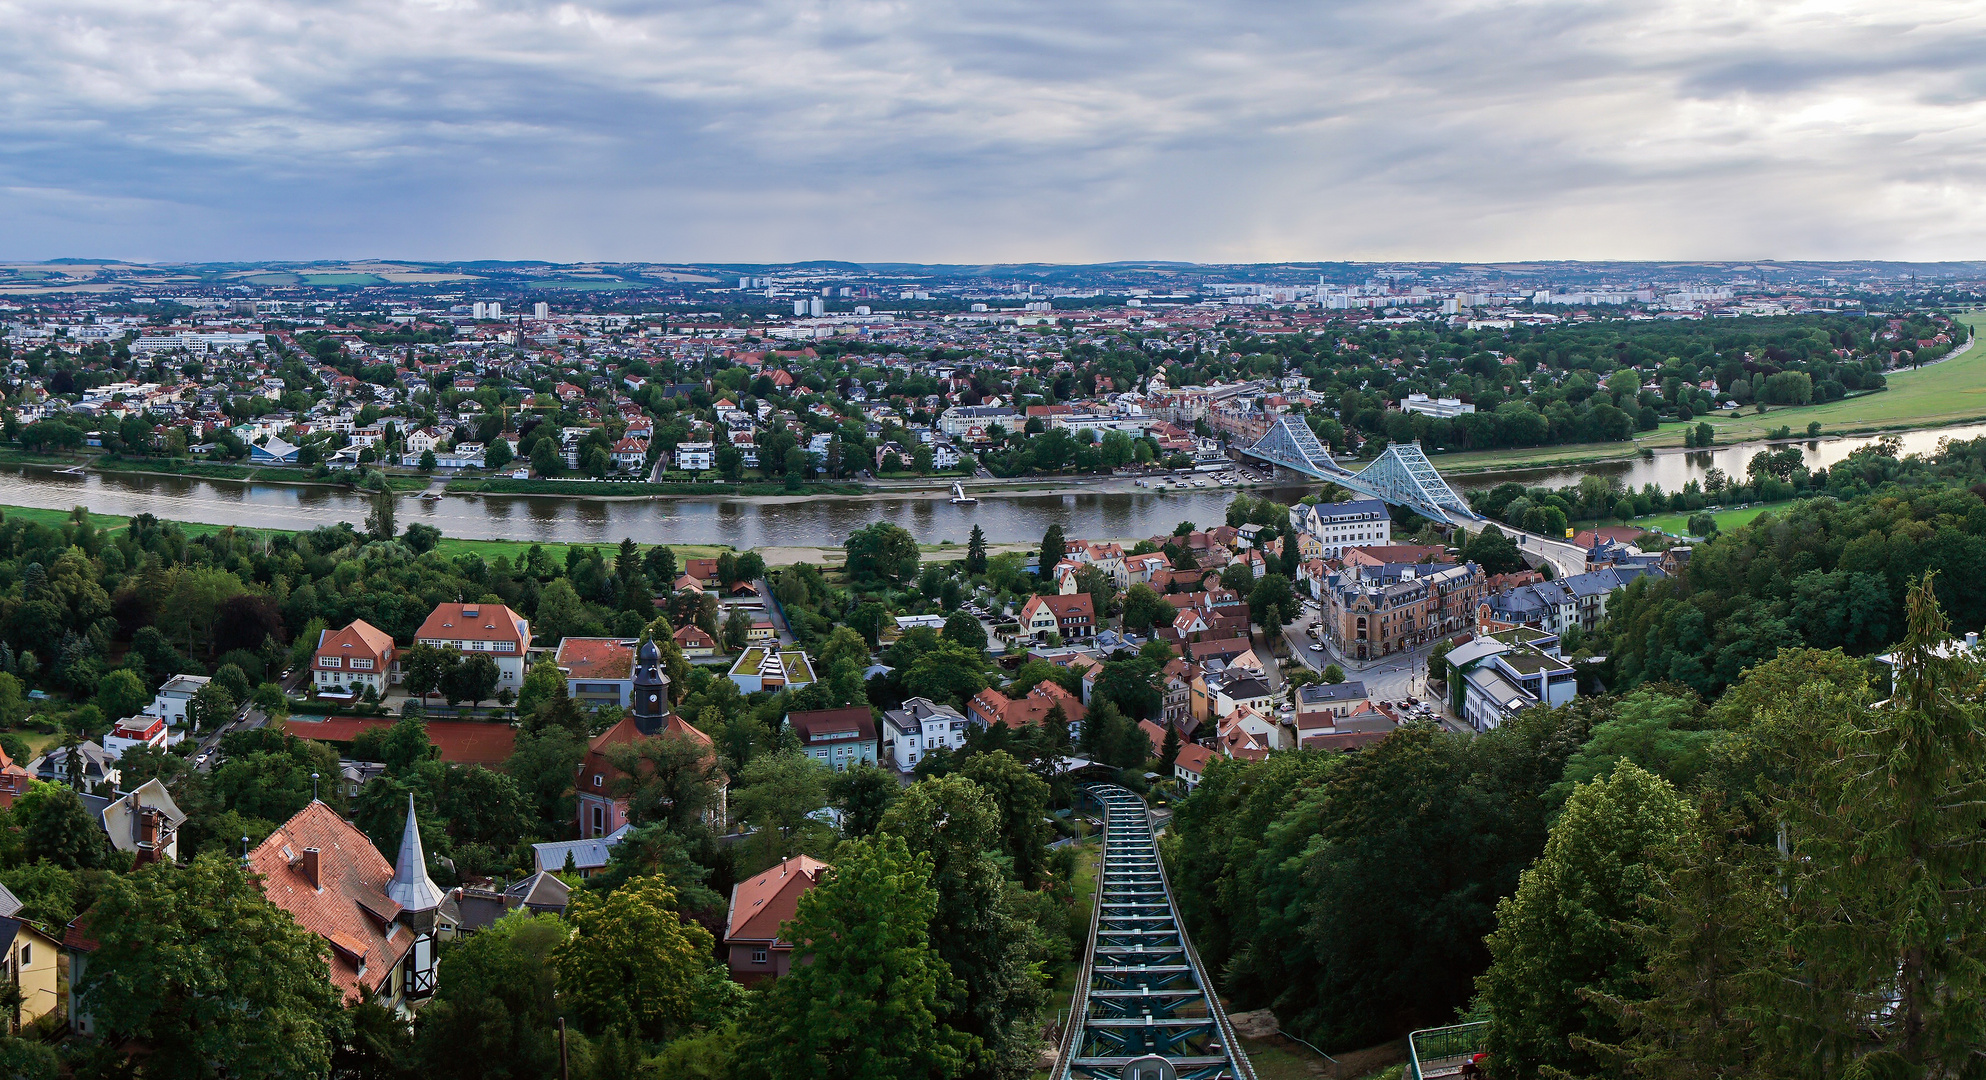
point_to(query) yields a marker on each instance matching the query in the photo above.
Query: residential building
(836, 737)
(960, 420)
(754, 951)
(1072, 615)
(1370, 612)
(1545, 605)
(769, 668)
(1191, 765)
(598, 671)
(13, 780)
(143, 822)
(695, 456)
(989, 707)
(1497, 676)
(1321, 703)
(587, 857)
(1337, 526)
(29, 959)
(352, 660)
(695, 643)
(491, 630)
(1366, 723)
(143, 729)
(1591, 591)
(919, 727)
(381, 920)
(95, 766)
(171, 700)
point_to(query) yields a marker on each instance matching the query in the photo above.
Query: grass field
(488, 549)
(517, 549)
(343, 279)
(1952, 391)
(1678, 524)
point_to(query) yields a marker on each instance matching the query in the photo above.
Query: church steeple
(411, 886)
(650, 699)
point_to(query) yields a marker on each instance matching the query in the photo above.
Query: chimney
(308, 864)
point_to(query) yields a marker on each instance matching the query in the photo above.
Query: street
(206, 754)
(1391, 678)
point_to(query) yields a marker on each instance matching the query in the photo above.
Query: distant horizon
(1505, 265)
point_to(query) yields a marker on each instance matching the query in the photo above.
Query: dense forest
(1754, 855)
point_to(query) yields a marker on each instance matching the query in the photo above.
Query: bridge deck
(1150, 998)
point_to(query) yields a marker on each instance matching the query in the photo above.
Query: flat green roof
(1531, 662)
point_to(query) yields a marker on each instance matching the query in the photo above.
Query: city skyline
(774, 132)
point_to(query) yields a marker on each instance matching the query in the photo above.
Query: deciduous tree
(633, 964)
(195, 958)
(866, 990)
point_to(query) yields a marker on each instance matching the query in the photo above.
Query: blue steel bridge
(1402, 476)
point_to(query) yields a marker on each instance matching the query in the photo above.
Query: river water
(745, 523)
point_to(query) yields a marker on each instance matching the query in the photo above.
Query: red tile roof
(811, 722)
(625, 733)
(475, 622)
(465, 742)
(1194, 758)
(1031, 708)
(361, 638)
(596, 658)
(348, 907)
(693, 637)
(759, 905)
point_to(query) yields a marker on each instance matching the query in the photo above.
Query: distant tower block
(541, 311)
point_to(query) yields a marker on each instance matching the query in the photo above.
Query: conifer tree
(1885, 964)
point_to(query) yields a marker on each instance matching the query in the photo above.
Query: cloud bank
(769, 130)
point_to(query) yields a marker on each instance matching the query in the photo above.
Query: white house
(171, 700)
(920, 727)
(695, 456)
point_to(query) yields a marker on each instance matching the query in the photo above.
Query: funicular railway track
(1143, 1008)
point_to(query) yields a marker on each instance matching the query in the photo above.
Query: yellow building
(30, 964)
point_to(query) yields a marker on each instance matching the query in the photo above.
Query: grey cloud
(1000, 130)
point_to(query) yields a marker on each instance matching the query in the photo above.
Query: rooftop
(596, 658)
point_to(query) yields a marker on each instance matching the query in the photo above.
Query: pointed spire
(411, 887)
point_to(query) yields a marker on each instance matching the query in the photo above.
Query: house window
(758, 956)
(27, 955)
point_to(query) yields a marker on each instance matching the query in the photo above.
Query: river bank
(1949, 392)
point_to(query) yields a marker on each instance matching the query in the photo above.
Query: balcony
(1444, 1051)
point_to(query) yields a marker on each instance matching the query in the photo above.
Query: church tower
(651, 690)
(424, 908)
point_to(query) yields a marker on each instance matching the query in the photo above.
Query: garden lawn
(1952, 391)
(1677, 524)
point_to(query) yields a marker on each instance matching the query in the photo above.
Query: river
(1673, 468)
(823, 522)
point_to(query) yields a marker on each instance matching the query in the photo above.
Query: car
(1317, 648)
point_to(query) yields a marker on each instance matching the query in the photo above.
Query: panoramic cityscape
(775, 541)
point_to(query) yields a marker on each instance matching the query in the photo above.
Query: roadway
(1565, 559)
(206, 753)
(1390, 678)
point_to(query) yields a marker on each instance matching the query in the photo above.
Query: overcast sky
(935, 131)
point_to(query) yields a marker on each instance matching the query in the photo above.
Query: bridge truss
(1142, 993)
(1402, 476)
